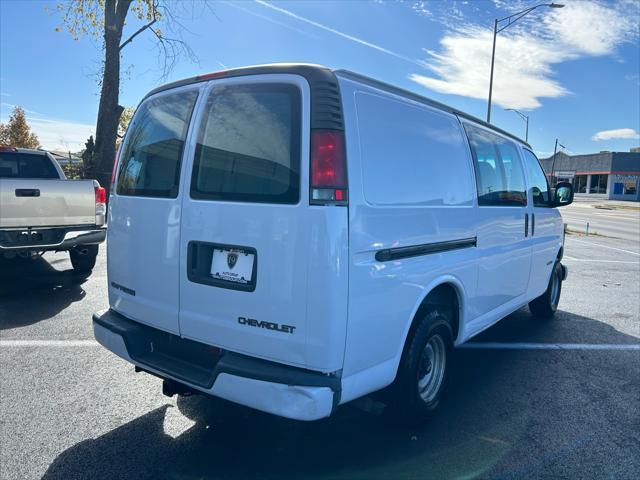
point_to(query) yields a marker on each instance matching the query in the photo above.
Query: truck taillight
(329, 185)
(101, 194)
(101, 198)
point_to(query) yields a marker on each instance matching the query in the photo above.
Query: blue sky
(574, 71)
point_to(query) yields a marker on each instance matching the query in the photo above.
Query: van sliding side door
(503, 228)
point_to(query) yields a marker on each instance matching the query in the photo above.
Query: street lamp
(553, 162)
(525, 118)
(511, 19)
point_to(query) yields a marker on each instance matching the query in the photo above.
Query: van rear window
(150, 163)
(248, 146)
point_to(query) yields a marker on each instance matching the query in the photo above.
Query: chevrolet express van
(291, 238)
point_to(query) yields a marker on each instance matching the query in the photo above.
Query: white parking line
(590, 260)
(549, 346)
(48, 343)
(605, 246)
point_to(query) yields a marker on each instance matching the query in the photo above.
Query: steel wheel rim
(555, 288)
(433, 362)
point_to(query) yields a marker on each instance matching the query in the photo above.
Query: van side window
(150, 164)
(248, 146)
(499, 174)
(537, 180)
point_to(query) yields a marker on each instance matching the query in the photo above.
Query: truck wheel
(545, 305)
(425, 367)
(83, 258)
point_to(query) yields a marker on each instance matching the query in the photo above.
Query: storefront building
(612, 175)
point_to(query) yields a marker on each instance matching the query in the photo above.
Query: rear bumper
(57, 239)
(267, 386)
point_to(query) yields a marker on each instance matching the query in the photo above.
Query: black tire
(545, 305)
(412, 399)
(83, 258)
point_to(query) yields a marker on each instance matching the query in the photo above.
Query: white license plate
(232, 265)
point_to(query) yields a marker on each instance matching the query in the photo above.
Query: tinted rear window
(150, 164)
(249, 145)
(26, 165)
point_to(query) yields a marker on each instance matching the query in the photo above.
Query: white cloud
(337, 32)
(421, 9)
(61, 134)
(593, 28)
(270, 20)
(527, 52)
(617, 133)
(54, 133)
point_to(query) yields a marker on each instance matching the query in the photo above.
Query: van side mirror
(563, 194)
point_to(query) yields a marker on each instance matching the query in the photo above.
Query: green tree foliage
(16, 131)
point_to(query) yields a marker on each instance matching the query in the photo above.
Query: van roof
(326, 106)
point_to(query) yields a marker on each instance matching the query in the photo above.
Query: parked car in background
(292, 238)
(40, 210)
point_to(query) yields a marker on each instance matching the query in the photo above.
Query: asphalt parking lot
(529, 399)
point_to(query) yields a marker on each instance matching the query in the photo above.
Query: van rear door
(145, 211)
(246, 228)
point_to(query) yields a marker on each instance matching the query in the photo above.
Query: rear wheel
(545, 305)
(425, 367)
(83, 258)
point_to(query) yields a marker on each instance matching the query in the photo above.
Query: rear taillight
(101, 198)
(329, 183)
(101, 194)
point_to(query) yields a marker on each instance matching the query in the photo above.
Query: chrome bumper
(71, 239)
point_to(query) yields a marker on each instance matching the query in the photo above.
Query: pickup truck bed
(41, 210)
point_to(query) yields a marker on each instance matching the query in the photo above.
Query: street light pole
(493, 60)
(525, 118)
(511, 19)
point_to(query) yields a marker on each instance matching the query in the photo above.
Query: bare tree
(106, 19)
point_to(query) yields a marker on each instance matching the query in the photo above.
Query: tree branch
(138, 32)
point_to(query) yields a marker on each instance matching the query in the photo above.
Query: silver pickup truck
(40, 210)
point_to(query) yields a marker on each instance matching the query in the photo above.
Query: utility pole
(553, 162)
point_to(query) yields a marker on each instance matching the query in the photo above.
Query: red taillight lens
(101, 194)
(328, 167)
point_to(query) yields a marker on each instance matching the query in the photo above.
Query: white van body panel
(384, 296)
(546, 238)
(301, 251)
(143, 248)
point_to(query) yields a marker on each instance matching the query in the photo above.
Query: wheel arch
(447, 291)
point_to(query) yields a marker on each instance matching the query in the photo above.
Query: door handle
(526, 225)
(27, 192)
(533, 223)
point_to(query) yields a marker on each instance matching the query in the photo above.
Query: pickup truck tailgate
(46, 202)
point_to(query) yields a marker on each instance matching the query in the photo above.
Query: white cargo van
(292, 238)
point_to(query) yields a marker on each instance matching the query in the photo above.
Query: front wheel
(545, 305)
(425, 367)
(83, 258)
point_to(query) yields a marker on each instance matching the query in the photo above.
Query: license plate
(232, 265)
